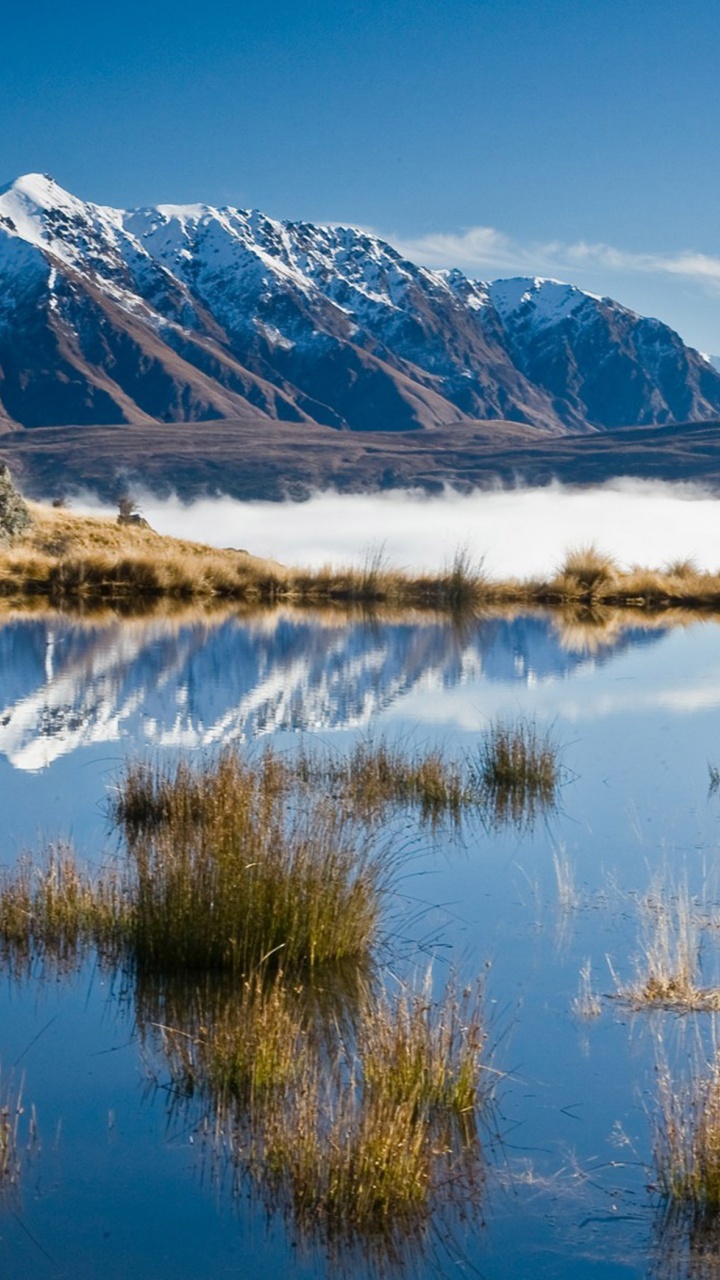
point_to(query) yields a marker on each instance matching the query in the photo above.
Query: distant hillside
(235, 459)
(189, 314)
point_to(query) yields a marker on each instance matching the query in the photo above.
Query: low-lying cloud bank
(520, 532)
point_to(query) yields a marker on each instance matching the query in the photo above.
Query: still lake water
(116, 1187)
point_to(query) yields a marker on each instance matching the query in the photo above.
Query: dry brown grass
(667, 967)
(687, 1138)
(66, 557)
(375, 775)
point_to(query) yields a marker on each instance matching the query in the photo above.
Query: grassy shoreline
(70, 559)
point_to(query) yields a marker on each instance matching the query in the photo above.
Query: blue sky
(572, 138)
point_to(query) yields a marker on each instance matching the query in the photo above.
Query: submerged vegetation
(66, 558)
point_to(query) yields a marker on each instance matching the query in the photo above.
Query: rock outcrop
(14, 515)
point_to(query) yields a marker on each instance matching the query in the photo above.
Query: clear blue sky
(574, 138)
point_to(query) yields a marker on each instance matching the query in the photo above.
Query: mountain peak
(39, 189)
(543, 300)
(190, 312)
(32, 203)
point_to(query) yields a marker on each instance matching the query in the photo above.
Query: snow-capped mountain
(180, 313)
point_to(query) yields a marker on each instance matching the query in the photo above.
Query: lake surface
(116, 1185)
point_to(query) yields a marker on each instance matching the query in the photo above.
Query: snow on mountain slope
(189, 312)
(541, 303)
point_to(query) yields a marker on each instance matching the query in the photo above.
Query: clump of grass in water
(667, 969)
(516, 771)
(52, 909)
(247, 1045)
(232, 864)
(12, 1112)
(235, 873)
(356, 1122)
(423, 1051)
(228, 864)
(363, 1149)
(687, 1140)
(587, 1003)
(374, 775)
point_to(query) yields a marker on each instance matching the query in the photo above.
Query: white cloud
(487, 250)
(517, 532)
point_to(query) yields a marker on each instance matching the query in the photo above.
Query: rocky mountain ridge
(190, 313)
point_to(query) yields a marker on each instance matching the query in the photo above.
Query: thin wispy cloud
(487, 251)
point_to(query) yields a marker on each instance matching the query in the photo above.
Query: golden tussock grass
(231, 863)
(244, 916)
(237, 861)
(512, 777)
(360, 1145)
(54, 910)
(68, 557)
(373, 775)
(226, 865)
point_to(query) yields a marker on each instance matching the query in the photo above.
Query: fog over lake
(517, 532)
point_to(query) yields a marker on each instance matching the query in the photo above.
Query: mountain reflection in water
(198, 681)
